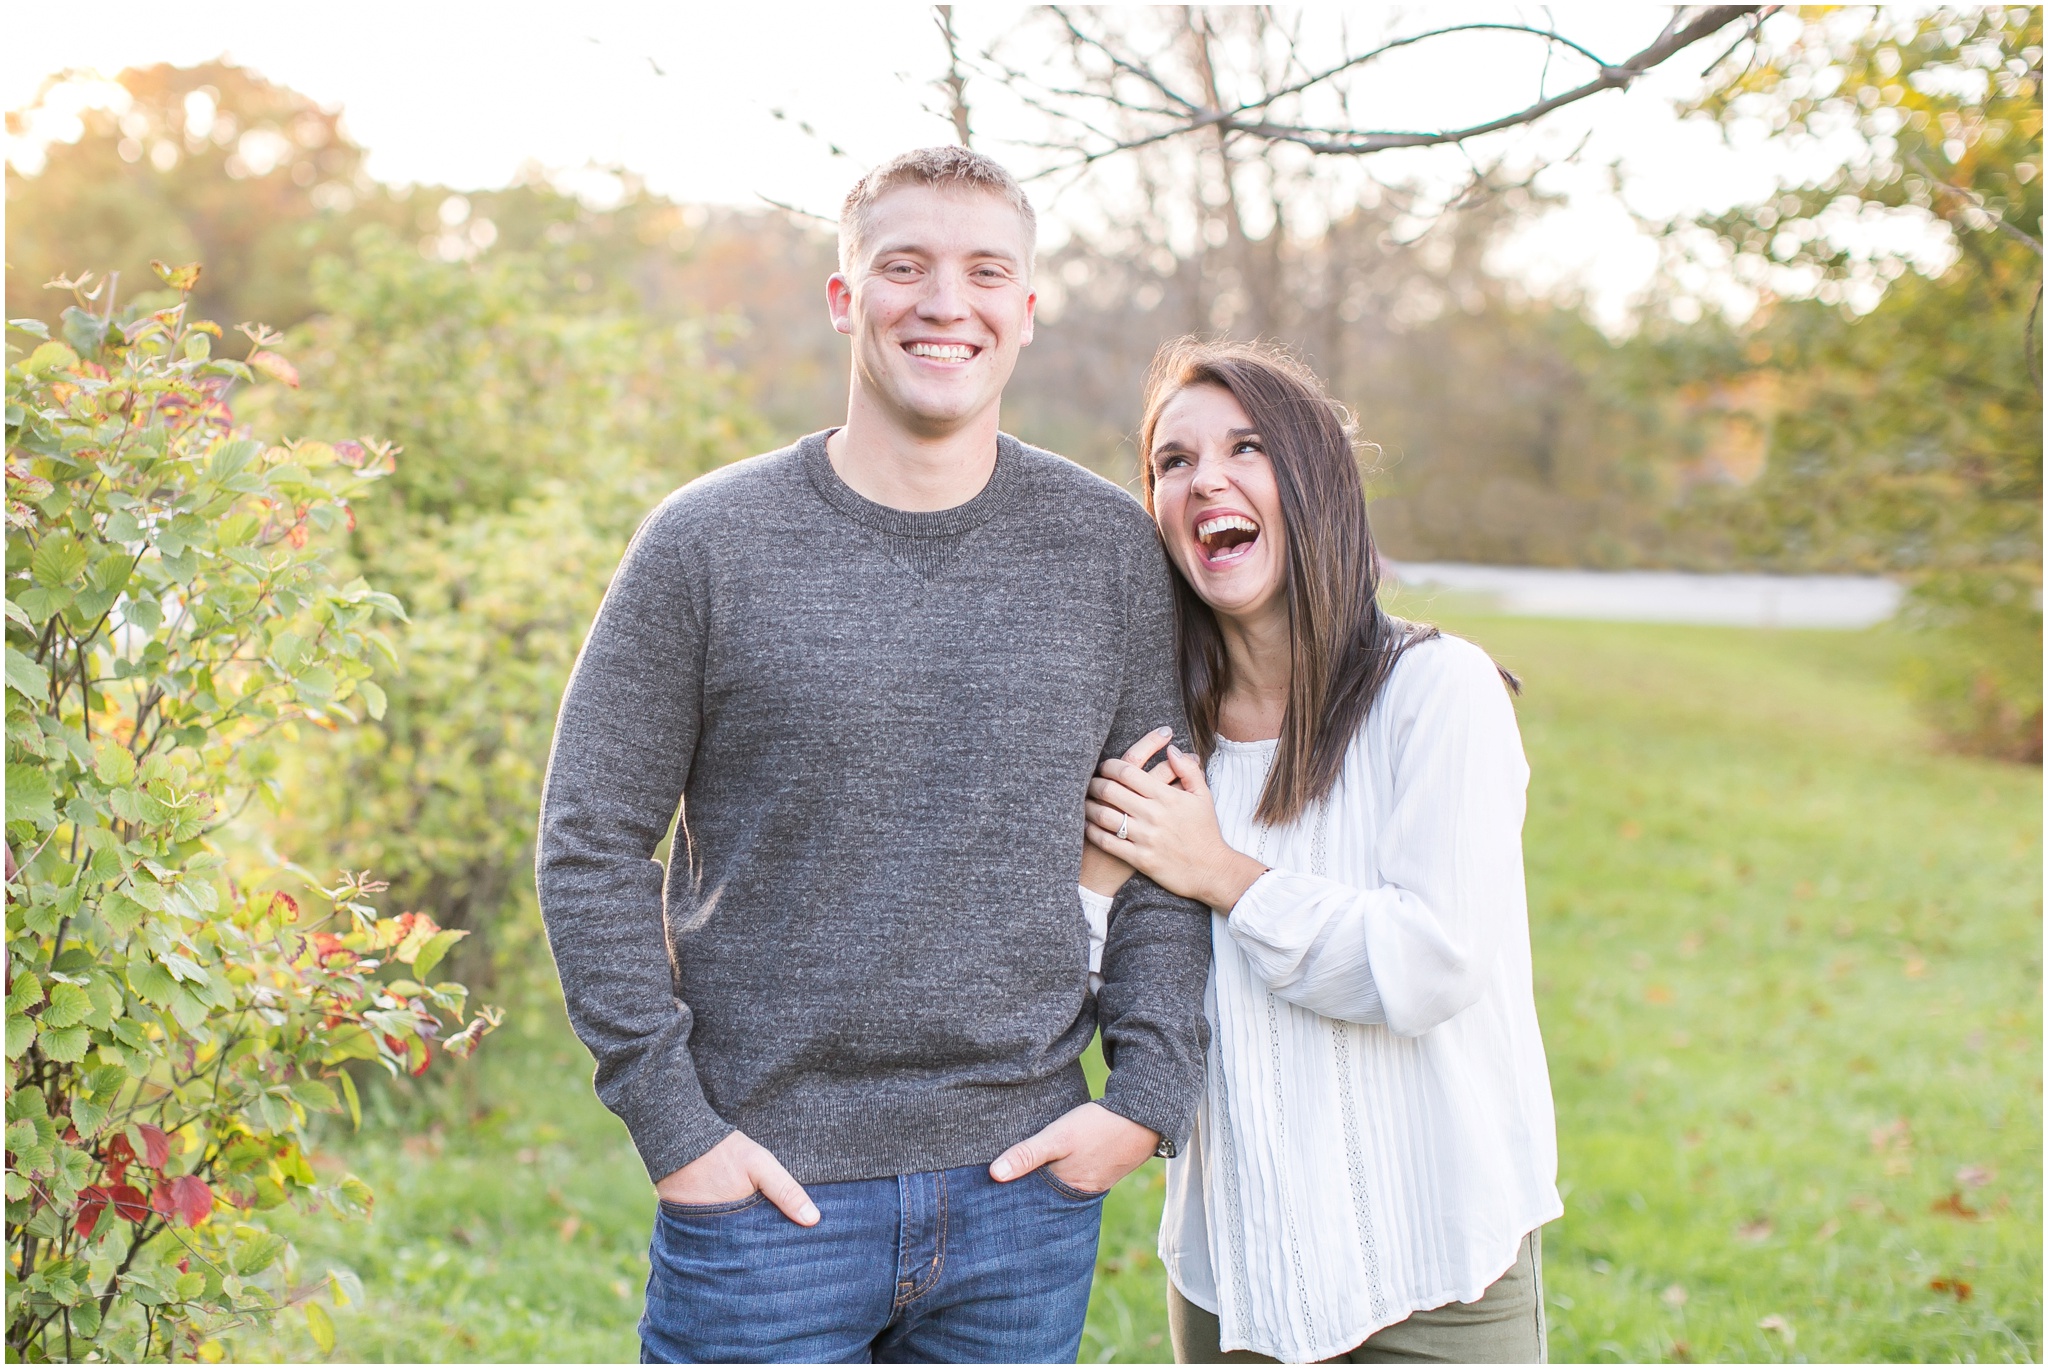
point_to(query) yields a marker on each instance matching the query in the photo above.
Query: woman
(1376, 1153)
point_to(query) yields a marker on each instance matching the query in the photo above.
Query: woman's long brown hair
(1344, 645)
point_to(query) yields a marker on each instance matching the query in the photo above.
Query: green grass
(1788, 968)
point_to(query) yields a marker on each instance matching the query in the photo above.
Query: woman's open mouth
(1226, 538)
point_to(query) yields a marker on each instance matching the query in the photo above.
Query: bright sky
(463, 93)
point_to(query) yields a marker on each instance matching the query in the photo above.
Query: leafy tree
(209, 163)
(534, 440)
(171, 621)
(1909, 440)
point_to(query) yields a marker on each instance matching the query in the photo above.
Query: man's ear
(839, 302)
(1030, 319)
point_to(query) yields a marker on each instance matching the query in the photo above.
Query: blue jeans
(949, 1267)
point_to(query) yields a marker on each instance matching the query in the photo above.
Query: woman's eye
(1167, 463)
(1248, 445)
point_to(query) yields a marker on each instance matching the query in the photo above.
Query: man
(877, 669)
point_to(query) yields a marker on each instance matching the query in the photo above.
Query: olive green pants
(1504, 1327)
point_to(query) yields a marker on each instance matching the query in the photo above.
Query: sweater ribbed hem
(823, 1138)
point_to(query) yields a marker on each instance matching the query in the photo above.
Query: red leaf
(186, 1196)
(129, 1203)
(156, 1146)
(119, 1155)
(92, 1200)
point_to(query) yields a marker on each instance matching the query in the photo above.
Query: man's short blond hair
(948, 168)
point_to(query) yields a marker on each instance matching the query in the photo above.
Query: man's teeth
(1231, 522)
(942, 351)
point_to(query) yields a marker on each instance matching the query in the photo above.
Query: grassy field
(1788, 967)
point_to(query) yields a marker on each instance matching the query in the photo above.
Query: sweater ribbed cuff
(1144, 1092)
(665, 1112)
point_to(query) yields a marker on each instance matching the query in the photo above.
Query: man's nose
(944, 299)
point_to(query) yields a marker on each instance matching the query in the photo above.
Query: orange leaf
(1953, 1206)
(276, 367)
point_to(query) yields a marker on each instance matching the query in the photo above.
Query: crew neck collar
(996, 494)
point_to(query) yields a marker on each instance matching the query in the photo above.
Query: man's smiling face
(938, 305)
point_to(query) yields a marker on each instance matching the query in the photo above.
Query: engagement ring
(1123, 829)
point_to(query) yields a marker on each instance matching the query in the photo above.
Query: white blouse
(1376, 1135)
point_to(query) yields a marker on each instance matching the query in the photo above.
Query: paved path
(1665, 596)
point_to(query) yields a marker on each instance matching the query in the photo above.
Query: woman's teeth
(1226, 537)
(1229, 522)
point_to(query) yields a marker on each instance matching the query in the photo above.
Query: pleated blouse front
(1377, 1133)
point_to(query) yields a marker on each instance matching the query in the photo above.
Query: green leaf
(21, 1034)
(51, 356)
(68, 1006)
(258, 1252)
(26, 677)
(430, 954)
(322, 1327)
(113, 763)
(88, 1116)
(231, 458)
(57, 561)
(355, 1104)
(144, 615)
(29, 798)
(67, 1044)
(349, 1042)
(26, 993)
(315, 1096)
(121, 913)
(347, 1286)
(373, 697)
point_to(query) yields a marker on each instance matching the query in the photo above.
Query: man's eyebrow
(918, 250)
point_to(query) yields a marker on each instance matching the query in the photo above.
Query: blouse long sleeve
(1415, 950)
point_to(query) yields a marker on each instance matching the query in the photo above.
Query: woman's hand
(1101, 872)
(1168, 828)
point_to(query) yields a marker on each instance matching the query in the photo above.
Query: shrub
(171, 620)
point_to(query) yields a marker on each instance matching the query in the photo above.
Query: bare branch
(954, 83)
(1680, 33)
(1975, 201)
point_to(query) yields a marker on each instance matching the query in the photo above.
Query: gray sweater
(867, 954)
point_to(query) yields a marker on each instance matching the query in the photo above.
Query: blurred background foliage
(550, 367)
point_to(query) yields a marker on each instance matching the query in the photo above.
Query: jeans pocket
(669, 1209)
(1067, 1190)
